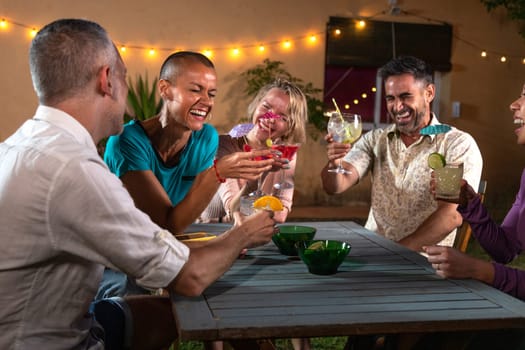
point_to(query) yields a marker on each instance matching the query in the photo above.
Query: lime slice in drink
(348, 136)
(316, 246)
(269, 142)
(436, 161)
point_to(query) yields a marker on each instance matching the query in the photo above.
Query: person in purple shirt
(502, 242)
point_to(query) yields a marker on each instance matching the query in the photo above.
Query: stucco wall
(485, 87)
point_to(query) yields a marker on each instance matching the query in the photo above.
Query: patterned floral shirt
(401, 198)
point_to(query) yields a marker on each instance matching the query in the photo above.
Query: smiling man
(402, 206)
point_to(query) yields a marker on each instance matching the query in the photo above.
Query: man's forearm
(434, 229)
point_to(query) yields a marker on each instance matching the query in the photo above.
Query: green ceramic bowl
(323, 257)
(289, 235)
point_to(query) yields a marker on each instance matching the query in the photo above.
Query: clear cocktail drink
(448, 181)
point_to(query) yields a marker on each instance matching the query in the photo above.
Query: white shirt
(64, 216)
(401, 199)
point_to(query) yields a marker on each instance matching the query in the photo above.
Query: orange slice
(268, 203)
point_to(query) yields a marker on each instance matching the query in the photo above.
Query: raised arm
(150, 196)
(334, 182)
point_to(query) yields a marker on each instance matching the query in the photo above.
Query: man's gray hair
(66, 55)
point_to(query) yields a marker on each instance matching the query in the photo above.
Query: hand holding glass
(344, 128)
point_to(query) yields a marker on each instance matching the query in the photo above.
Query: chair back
(465, 231)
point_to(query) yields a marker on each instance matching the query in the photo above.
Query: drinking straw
(337, 109)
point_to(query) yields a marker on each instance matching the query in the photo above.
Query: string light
(311, 39)
(235, 52)
(287, 44)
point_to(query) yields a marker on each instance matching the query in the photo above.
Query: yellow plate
(206, 238)
(194, 236)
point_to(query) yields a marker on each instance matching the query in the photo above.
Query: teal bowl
(323, 257)
(289, 235)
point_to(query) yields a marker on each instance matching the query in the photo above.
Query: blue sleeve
(209, 143)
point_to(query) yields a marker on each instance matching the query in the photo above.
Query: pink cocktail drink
(287, 151)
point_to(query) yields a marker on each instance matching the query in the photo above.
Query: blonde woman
(278, 112)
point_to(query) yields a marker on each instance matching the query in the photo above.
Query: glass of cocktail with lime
(447, 177)
(344, 128)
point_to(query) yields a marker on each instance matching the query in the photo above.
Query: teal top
(132, 151)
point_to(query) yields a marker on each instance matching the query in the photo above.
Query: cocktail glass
(448, 181)
(344, 128)
(287, 152)
(246, 203)
(258, 192)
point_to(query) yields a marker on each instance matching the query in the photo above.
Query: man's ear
(430, 92)
(104, 82)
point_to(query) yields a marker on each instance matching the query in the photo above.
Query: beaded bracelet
(219, 178)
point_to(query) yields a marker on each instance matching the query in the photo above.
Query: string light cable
(287, 44)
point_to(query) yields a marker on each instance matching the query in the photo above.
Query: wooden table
(381, 288)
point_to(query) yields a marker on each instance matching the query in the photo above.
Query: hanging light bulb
(287, 44)
(503, 59)
(3, 24)
(235, 52)
(483, 53)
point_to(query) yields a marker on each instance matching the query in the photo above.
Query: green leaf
(143, 102)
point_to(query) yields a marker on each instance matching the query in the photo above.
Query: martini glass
(258, 192)
(287, 150)
(344, 128)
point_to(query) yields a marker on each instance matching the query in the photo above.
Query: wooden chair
(465, 231)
